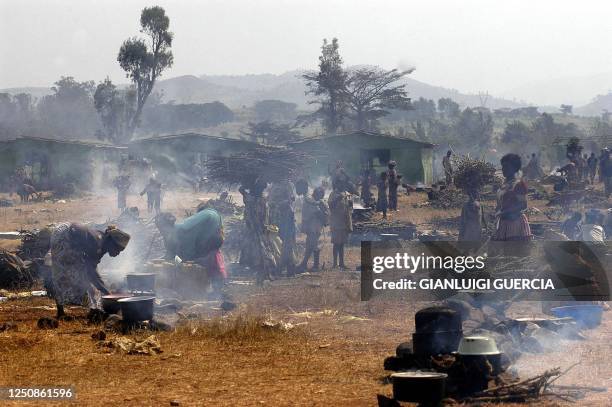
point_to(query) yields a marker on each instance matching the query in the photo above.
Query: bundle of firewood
(267, 164)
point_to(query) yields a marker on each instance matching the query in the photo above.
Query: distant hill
(571, 90)
(244, 90)
(236, 91)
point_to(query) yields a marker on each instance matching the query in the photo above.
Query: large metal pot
(427, 388)
(437, 319)
(136, 309)
(144, 282)
(110, 304)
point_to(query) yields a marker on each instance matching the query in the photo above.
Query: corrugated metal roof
(85, 143)
(190, 135)
(362, 132)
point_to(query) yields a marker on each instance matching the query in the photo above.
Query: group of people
(153, 190)
(587, 168)
(387, 185)
(595, 227)
(271, 228)
(511, 221)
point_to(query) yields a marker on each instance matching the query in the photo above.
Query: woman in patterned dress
(76, 251)
(512, 224)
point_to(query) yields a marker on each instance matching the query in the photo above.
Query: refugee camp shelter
(178, 153)
(50, 163)
(365, 149)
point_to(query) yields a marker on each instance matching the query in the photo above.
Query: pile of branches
(16, 273)
(223, 206)
(35, 244)
(473, 174)
(520, 392)
(447, 198)
(269, 164)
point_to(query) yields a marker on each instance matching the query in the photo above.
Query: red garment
(216, 265)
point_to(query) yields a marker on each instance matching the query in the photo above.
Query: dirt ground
(333, 355)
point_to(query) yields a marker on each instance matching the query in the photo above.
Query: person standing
(315, 216)
(592, 165)
(122, 183)
(153, 191)
(606, 172)
(448, 168)
(366, 182)
(286, 229)
(472, 219)
(341, 223)
(258, 250)
(512, 224)
(394, 184)
(382, 203)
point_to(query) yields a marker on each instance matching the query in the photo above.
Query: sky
(469, 45)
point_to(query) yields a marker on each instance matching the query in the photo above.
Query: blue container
(585, 315)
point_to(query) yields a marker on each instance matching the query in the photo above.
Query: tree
(270, 132)
(115, 108)
(371, 92)
(516, 132)
(475, 128)
(144, 63)
(566, 109)
(275, 110)
(328, 86)
(448, 108)
(69, 112)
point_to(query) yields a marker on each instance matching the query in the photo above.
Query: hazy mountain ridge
(243, 90)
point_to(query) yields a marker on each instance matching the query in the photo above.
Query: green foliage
(69, 111)
(144, 63)
(327, 86)
(372, 92)
(448, 108)
(275, 110)
(516, 132)
(115, 109)
(475, 128)
(271, 133)
(169, 117)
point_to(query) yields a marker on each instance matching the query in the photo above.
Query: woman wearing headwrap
(76, 251)
(512, 224)
(197, 238)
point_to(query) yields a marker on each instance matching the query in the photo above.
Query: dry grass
(329, 359)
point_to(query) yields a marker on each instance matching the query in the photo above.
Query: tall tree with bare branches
(371, 93)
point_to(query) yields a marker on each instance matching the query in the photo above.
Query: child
(472, 218)
(383, 185)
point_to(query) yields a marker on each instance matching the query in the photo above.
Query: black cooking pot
(141, 282)
(435, 343)
(437, 319)
(110, 304)
(427, 388)
(136, 309)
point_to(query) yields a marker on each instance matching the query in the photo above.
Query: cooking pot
(136, 309)
(437, 319)
(141, 282)
(428, 388)
(110, 304)
(477, 346)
